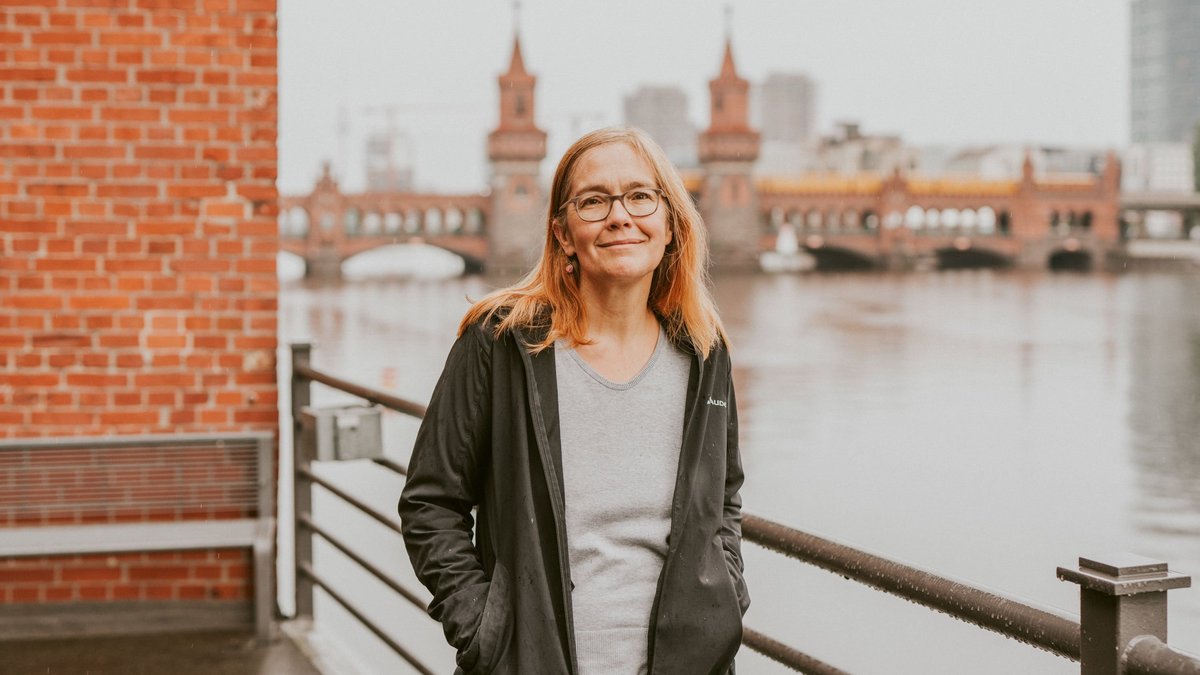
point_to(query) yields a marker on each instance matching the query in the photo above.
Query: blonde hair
(548, 296)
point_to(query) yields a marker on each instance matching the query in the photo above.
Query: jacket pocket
(482, 653)
(737, 580)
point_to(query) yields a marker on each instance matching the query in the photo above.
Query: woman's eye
(639, 196)
(591, 200)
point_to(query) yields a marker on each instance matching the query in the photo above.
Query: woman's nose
(619, 218)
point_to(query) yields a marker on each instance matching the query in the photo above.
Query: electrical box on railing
(346, 432)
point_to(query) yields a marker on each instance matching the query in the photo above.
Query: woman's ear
(563, 237)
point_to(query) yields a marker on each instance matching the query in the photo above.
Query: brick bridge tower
(728, 150)
(515, 149)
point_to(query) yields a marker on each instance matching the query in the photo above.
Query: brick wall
(137, 241)
(173, 575)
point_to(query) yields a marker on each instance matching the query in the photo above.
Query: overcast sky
(934, 71)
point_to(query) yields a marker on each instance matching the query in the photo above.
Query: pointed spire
(728, 71)
(517, 65)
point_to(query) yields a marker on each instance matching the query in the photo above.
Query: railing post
(1121, 597)
(303, 451)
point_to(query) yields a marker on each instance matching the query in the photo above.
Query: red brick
(61, 37)
(86, 302)
(89, 573)
(62, 112)
(130, 38)
(97, 75)
(28, 74)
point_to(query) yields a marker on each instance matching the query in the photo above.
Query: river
(989, 426)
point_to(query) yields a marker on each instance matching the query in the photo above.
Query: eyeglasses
(594, 206)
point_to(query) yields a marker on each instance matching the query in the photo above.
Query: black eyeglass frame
(662, 197)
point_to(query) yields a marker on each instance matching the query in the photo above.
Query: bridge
(902, 221)
(327, 227)
(864, 221)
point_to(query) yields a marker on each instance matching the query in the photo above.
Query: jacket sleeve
(731, 520)
(445, 481)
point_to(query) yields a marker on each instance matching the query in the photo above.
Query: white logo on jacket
(720, 404)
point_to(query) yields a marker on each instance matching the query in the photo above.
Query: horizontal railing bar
(374, 396)
(1055, 633)
(1147, 655)
(309, 572)
(348, 498)
(305, 520)
(788, 656)
(161, 441)
(392, 464)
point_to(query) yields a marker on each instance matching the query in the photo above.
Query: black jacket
(490, 440)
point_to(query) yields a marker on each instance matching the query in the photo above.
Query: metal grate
(115, 482)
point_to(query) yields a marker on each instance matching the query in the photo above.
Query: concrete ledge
(94, 619)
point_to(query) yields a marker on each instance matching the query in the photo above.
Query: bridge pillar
(324, 264)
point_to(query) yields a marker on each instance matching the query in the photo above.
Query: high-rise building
(1164, 70)
(389, 165)
(662, 112)
(784, 106)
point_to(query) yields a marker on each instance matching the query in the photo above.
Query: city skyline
(899, 70)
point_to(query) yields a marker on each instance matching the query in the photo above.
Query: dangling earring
(570, 266)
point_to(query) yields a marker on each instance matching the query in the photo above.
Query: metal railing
(1123, 600)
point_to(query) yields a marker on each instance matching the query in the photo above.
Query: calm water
(987, 426)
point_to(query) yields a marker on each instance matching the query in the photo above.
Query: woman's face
(620, 249)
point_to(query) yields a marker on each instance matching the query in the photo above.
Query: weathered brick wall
(137, 239)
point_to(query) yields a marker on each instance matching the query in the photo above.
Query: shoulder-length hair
(548, 296)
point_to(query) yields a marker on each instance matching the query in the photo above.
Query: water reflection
(1164, 412)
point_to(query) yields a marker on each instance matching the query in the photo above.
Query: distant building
(388, 168)
(784, 109)
(787, 107)
(849, 151)
(1157, 167)
(1164, 70)
(662, 112)
(1005, 162)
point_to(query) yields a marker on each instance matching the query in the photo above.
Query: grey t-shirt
(620, 451)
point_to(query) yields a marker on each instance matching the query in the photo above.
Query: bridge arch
(372, 224)
(950, 218)
(987, 220)
(969, 219)
(1069, 259)
(839, 258)
(453, 220)
(412, 221)
(293, 223)
(405, 259)
(914, 218)
(964, 256)
(392, 222)
(474, 221)
(433, 221)
(833, 222)
(351, 219)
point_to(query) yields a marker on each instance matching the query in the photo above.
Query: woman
(587, 413)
